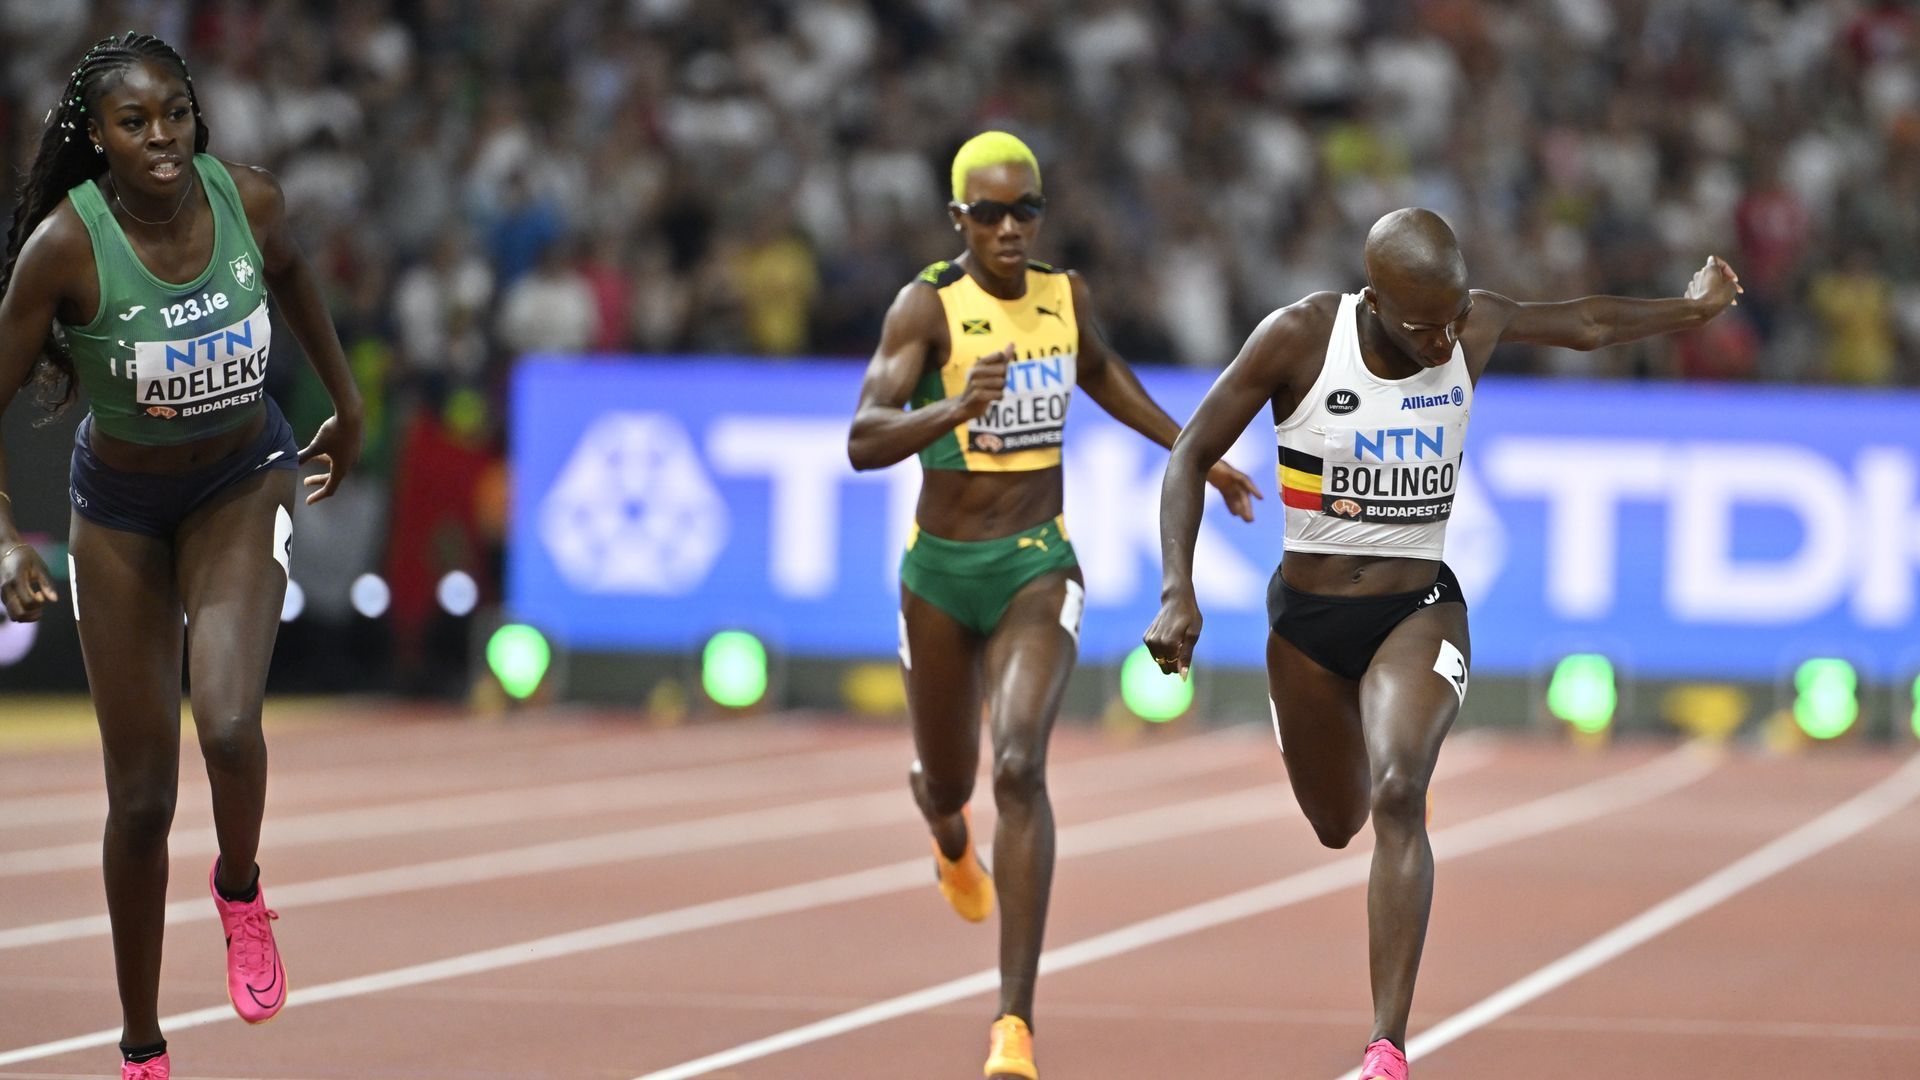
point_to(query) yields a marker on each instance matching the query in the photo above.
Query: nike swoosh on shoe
(255, 993)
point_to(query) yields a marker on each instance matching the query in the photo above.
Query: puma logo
(1049, 311)
(132, 311)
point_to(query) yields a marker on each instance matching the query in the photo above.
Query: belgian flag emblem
(1300, 479)
(976, 327)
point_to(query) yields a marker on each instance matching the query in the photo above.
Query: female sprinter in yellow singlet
(977, 363)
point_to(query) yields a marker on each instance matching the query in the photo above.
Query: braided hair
(66, 158)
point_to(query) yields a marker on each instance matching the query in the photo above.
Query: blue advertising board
(1685, 531)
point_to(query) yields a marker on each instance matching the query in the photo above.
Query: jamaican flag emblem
(976, 327)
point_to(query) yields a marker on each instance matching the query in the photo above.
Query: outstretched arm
(1254, 378)
(1595, 322)
(290, 280)
(1114, 387)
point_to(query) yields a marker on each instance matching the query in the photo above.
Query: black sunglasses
(987, 212)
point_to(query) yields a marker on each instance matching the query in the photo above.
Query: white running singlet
(1369, 466)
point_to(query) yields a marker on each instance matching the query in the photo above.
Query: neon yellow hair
(990, 148)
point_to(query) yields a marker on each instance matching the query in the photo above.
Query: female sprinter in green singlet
(977, 363)
(140, 267)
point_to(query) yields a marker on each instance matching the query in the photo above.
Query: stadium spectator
(755, 177)
(771, 161)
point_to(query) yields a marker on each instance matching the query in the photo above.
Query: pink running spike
(1384, 1061)
(155, 1069)
(256, 979)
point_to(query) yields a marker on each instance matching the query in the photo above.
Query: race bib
(204, 374)
(1032, 413)
(1397, 476)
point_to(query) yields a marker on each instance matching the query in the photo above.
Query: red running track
(579, 895)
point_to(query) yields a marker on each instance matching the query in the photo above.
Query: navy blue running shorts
(156, 503)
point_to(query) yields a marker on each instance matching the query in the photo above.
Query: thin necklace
(169, 220)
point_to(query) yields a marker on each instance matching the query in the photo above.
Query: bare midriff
(184, 457)
(959, 505)
(1356, 575)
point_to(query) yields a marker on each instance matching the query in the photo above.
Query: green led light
(466, 412)
(1826, 700)
(1582, 692)
(518, 656)
(1916, 707)
(1150, 693)
(733, 669)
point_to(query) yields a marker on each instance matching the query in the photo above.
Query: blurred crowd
(478, 179)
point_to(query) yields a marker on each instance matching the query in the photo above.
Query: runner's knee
(946, 796)
(1019, 775)
(231, 741)
(140, 814)
(1400, 797)
(1336, 826)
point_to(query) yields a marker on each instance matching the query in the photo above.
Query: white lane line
(1687, 1027)
(1112, 772)
(334, 782)
(76, 1076)
(1836, 826)
(1111, 834)
(715, 783)
(29, 810)
(1146, 767)
(1538, 817)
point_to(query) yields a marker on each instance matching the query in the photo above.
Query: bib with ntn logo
(1022, 431)
(164, 363)
(1369, 466)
